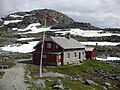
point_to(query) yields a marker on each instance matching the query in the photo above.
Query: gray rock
(73, 78)
(80, 79)
(117, 78)
(53, 74)
(40, 84)
(107, 84)
(58, 84)
(90, 82)
(104, 88)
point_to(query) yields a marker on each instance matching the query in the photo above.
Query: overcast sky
(102, 13)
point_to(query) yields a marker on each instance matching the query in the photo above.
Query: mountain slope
(22, 19)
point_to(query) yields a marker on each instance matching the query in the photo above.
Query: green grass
(3, 29)
(1, 74)
(82, 70)
(9, 63)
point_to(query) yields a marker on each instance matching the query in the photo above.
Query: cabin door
(59, 59)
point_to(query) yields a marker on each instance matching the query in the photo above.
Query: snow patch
(14, 29)
(101, 43)
(108, 58)
(25, 48)
(30, 27)
(34, 29)
(22, 39)
(37, 30)
(11, 21)
(16, 16)
(88, 33)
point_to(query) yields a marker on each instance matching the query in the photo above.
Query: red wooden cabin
(59, 51)
(90, 52)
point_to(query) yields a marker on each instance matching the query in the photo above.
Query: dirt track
(13, 78)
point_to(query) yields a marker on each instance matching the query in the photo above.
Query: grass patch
(9, 63)
(1, 74)
(82, 70)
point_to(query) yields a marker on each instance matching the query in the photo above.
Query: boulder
(107, 84)
(90, 82)
(40, 83)
(104, 88)
(81, 80)
(73, 78)
(117, 78)
(58, 84)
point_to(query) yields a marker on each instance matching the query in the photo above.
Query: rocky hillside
(22, 19)
(82, 25)
(113, 30)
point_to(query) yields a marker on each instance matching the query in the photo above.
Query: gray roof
(67, 43)
(89, 48)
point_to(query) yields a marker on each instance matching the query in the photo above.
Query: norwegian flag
(48, 17)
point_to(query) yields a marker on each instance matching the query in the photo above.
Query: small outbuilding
(90, 52)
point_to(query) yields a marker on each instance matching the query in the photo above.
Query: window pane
(56, 46)
(44, 56)
(48, 45)
(68, 55)
(75, 54)
(79, 55)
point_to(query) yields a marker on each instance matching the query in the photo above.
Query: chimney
(68, 36)
(56, 35)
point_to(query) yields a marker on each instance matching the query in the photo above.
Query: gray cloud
(102, 13)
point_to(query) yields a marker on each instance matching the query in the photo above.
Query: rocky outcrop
(58, 84)
(112, 30)
(40, 84)
(106, 74)
(113, 38)
(1, 22)
(90, 82)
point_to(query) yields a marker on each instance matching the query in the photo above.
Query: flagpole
(42, 49)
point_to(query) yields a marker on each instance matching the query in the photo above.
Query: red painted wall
(50, 58)
(53, 48)
(47, 58)
(91, 54)
(94, 54)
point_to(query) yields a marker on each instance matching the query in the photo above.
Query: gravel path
(13, 78)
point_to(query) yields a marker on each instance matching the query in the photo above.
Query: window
(44, 56)
(83, 52)
(75, 54)
(79, 55)
(56, 46)
(49, 45)
(59, 57)
(68, 55)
